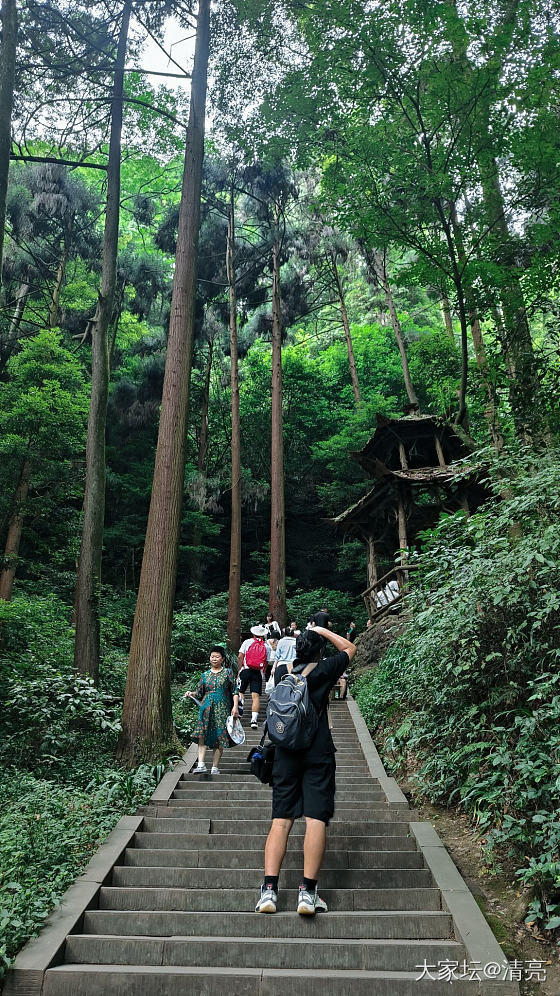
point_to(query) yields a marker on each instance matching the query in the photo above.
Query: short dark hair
(218, 650)
(308, 646)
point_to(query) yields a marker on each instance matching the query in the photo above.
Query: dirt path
(499, 897)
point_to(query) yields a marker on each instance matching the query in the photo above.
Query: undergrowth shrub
(468, 698)
(61, 791)
(48, 832)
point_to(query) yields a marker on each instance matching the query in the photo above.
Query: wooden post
(371, 561)
(402, 454)
(371, 572)
(403, 540)
(439, 451)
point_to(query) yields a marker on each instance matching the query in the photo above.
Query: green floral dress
(215, 691)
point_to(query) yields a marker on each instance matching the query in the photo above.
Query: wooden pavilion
(415, 461)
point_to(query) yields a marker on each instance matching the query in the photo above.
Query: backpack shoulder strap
(308, 669)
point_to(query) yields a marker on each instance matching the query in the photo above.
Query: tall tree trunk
(346, 326)
(461, 418)
(147, 717)
(446, 312)
(277, 591)
(234, 589)
(380, 266)
(118, 306)
(524, 387)
(54, 305)
(15, 527)
(196, 564)
(87, 594)
(13, 334)
(491, 408)
(9, 22)
(205, 404)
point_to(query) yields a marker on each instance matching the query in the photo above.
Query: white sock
(254, 717)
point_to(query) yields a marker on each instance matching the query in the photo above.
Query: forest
(215, 276)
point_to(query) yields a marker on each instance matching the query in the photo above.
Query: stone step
(346, 774)
(140, 980)
(248, 828)
(303, 953)
(244, 899)
(344, 879)
(209, 842)
(246, 859)
(244, 777)
(257, 812)
(344, 769)
(229, 794)
(414, 925)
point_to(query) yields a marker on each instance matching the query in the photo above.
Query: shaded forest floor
(497, 893)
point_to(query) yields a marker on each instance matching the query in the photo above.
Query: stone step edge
(261, 975)
(234, 972)
(283, 914)
(321, 941)
(251, 868)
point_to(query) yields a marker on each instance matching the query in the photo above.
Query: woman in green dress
(215, 692)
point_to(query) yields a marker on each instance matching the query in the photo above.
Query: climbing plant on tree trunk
(147, 723)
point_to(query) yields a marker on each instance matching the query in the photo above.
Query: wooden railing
(378, 600)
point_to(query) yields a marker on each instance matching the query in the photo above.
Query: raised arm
(340, 642)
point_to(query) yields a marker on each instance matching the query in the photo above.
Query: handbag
(269, 685)
(261, 759)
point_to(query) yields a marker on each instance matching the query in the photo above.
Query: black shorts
(253, 677)
(303, 786)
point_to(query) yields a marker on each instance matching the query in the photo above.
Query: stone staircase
(169, 907)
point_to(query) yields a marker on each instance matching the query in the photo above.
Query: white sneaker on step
(200, 768)
(215, 771)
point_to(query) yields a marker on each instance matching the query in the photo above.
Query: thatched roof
(417, 434)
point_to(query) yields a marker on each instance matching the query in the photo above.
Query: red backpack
(255, 655)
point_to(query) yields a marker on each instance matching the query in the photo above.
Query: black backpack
(261, 759)
(291, 717)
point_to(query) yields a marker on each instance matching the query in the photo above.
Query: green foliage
(33, 625)
(48, 832)
(203, 624)
(469, 696)
(60, 791)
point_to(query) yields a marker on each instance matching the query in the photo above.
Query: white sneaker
(267, 902)
(254, 724)
(307, 901)
(200, 768)
(215, 771)
(320, 905)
